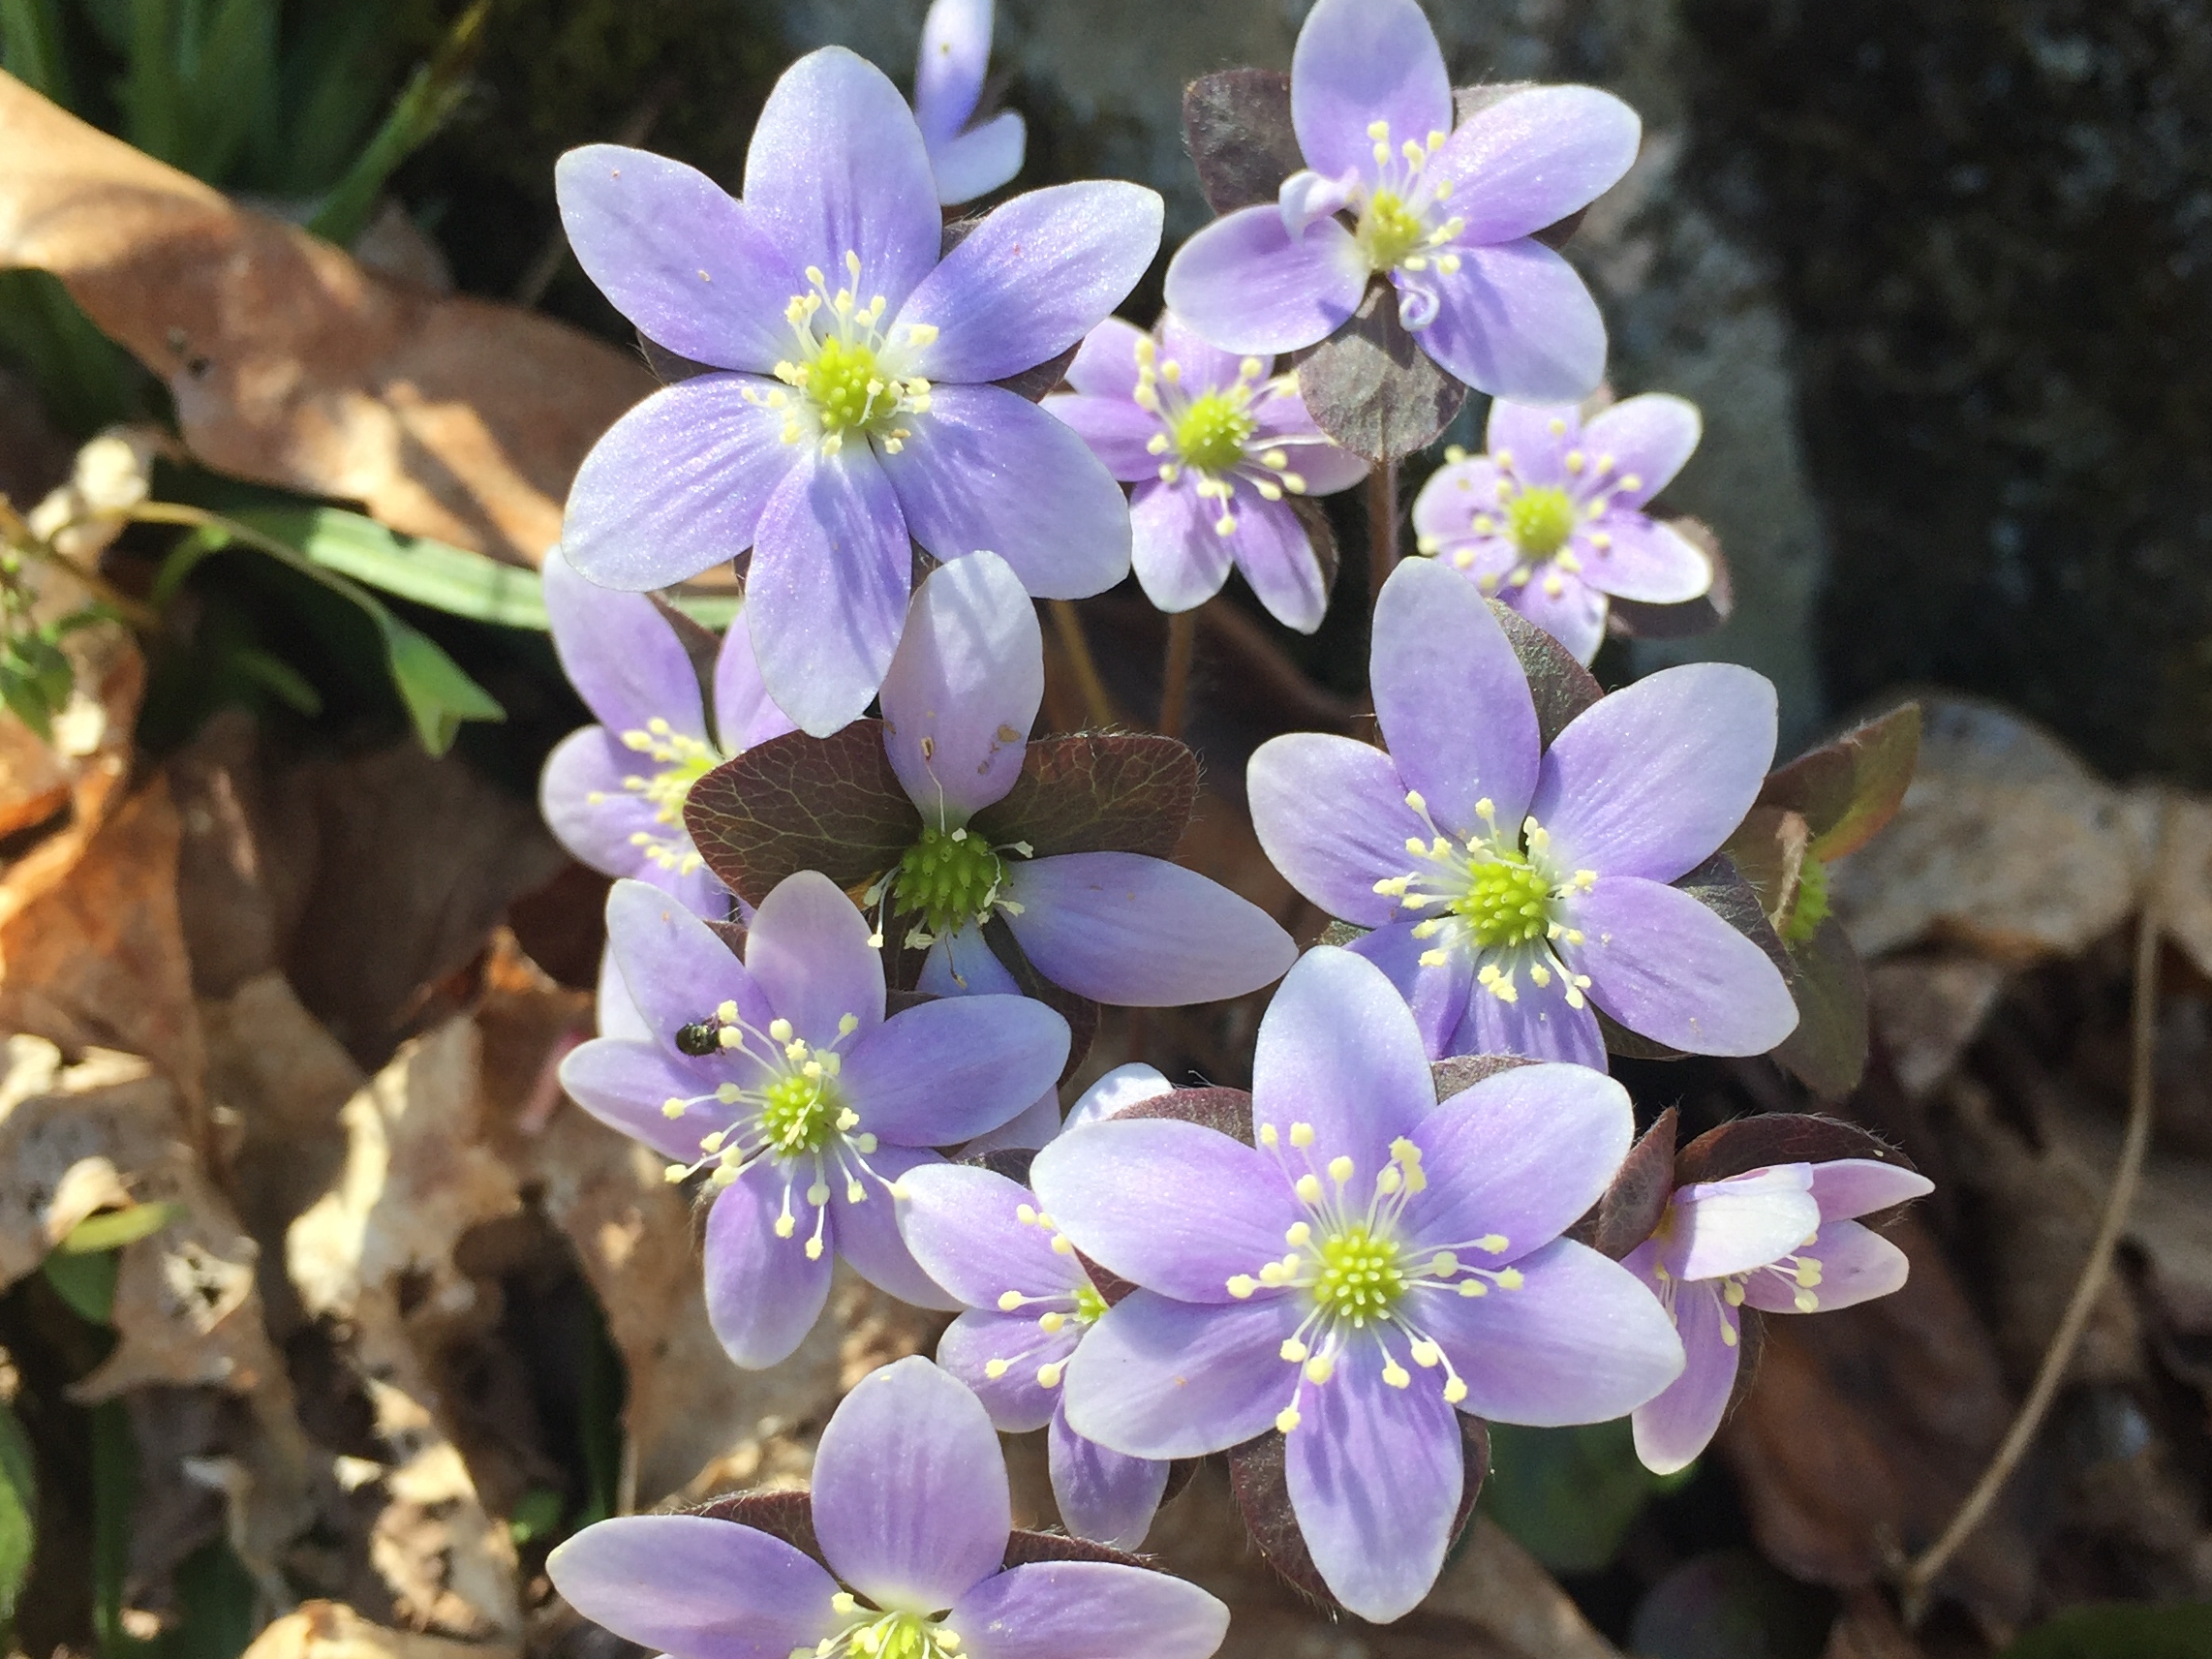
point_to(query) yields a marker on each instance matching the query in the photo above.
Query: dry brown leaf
(451, 418)
(331, 1630)
(1928, 1009)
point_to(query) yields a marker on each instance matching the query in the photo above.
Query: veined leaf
(443, 577)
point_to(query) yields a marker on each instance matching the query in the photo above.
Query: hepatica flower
(1447, 214)
(1781, 1239)
(1552, 520)
(967, 161)
(1214, 442)
(849, 412)
(614, 792)
(1514, 888)
(912, 1513)
(1377, 1262)
(779, 1079)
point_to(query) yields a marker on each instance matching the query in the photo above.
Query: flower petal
(1730, 1226)
(1159, 1378)
(1105, 364)
(1567, 607)
(626, 1084)
(962, 964)
(985, 469)
(976, 1343)
(1278, 559)
(1649, 780)
(909, 1489)
(1522, 433)
(1362, 61)
(1858, 1186)
(1032, 279)
(1338, 1050)
(763, 1293)
(1117, 430)
(678, 486)
(1520, 1157)
(1322, 466)
(960, 1224)
(1438, 995)
(1535, 157)
(866, 1219)
(743, 714)
(1448, 504)
(947, 1071)
(1582, 1341)
(807, 950)
(590, 811)
(696, 271)
(615, 1009)
(837, 165)
(1539, 1023)
(1375, 1475)
(1142, 932)
(1676, 1425)
(1670, 969)
(619, 654)
(1515, 321)
(1331, 815)
(1181, 560)
(1124, 1087)
(1641, 560)
(1088, 1609)
(1032, 1127)
(1451, 698)
(826, 597)
(948, 73)
(677, 968)
(1648, 438)
(696, 1589)
(981, 160)
(1175, 1207)
(964, 690)
(1245, 284)
(1102, 1495)
(1857, 1265)
(1202, 365)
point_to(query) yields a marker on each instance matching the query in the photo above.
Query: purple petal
(1523, 434)
(1680, 1423)
(837, 165)
(1331, 815)
(1324, 467)
(1117, 430)
(976, 1343)
(1520, 1157)
(1032, 1127)
(1102, 1495)
(826, 596)
(1641, 560)
(980, 161)
(948, 74)
(1088, 1610)
(1375, 1476)
(1515, 321)
(960, 1224)
(1649, 780)
(1105, 364)
(962, 965)
(1647, 439)
(1181, 560)
(1338, 1050)
(1245, 284)
(1534, 157)
(694, 1588)
(678, 971)
(1175, 1207)
(1158, 1378)
(964, 690)
(948, 1070)
(621, 655)
(1452, 699)
(1362, 61)
(1566, 608)
(763, 1293)
(1538, 1023)
(807, 950)
(696, 271)
(985, 469)
(625, 1084)
(1307, 196)
(1437, 996)
(1722, 1227)
(1444, 511)
(1204, 365)
(1032, 279)
(1858, 1186)
(616, 1010)
(1669, 968)
(864, 1218)
(744, 715)
(1142, 932)
(1580, 1341)
(909, 1489)
(1124, 1087)
(1277, 557)
(678, 486)
(590, 812)
(1857, 1265)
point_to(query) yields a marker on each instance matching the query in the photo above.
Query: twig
(1382, 527)
(1921, 1575)
(1175, 679)
(1067, 624)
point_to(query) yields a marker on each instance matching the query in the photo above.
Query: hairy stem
(1175, 679)
(1382, 527)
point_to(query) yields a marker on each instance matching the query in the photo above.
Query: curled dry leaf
(450, 417)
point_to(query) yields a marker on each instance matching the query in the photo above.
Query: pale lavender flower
(614, 792)
(1214, 443)
(850, 411)
(1550, 520)
(969, 159)
(1449, 216)
(780, 1076)
(1782, 1239)
(1377, 1262)
(913, 1513)
(1511, 886)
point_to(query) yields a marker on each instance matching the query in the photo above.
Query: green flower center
(1540, 520)
(799, 1114)
(1211, 434)
(1505, 902)
(884, 1636)
(948, 877)
(1388, 231)
(1359, 1276)
(1811, 907)
(1090, 1306)
(846, 386)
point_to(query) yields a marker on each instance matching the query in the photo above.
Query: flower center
(1207, 432)
(1360, 1277)
(1811, 906)
(847, 371)
(1210, 433)
(1507, 900)
(874, 1635)
(681, 762)
(846, 386)
(948, 878)
(1540, 520)
(1388, 231)
(799, 1113)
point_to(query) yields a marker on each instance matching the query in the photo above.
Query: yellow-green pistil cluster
(1209, 433)
(849, 374)
(1394, 231)
(679, 762)
(873, 1634)
(1082, 1302)
(946, 879)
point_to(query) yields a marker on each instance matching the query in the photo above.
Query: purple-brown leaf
(1236, 125)
(1849, 789)
(1370, 387)
(1097, 793)
(1777, 1138)
(831, 804)
(1561, 686)
(1828, 1051)
(1631, 1208)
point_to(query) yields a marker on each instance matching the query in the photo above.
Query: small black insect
(699, 1037)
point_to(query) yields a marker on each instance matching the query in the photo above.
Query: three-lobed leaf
(794, 803)
(1849, 789)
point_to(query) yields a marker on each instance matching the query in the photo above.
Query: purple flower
(853, 413)
(1029, 1306)
(1448, 216)
(1510, 886)
(1214, 444)
(913, 1515)
(1781, 1239)
(614, 792)
(969, 161)
(1550, 520)
(1378, 1261)
(780, 1075)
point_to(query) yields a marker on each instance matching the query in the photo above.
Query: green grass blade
(433, 573)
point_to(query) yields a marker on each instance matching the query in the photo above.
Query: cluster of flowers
(852, 961)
